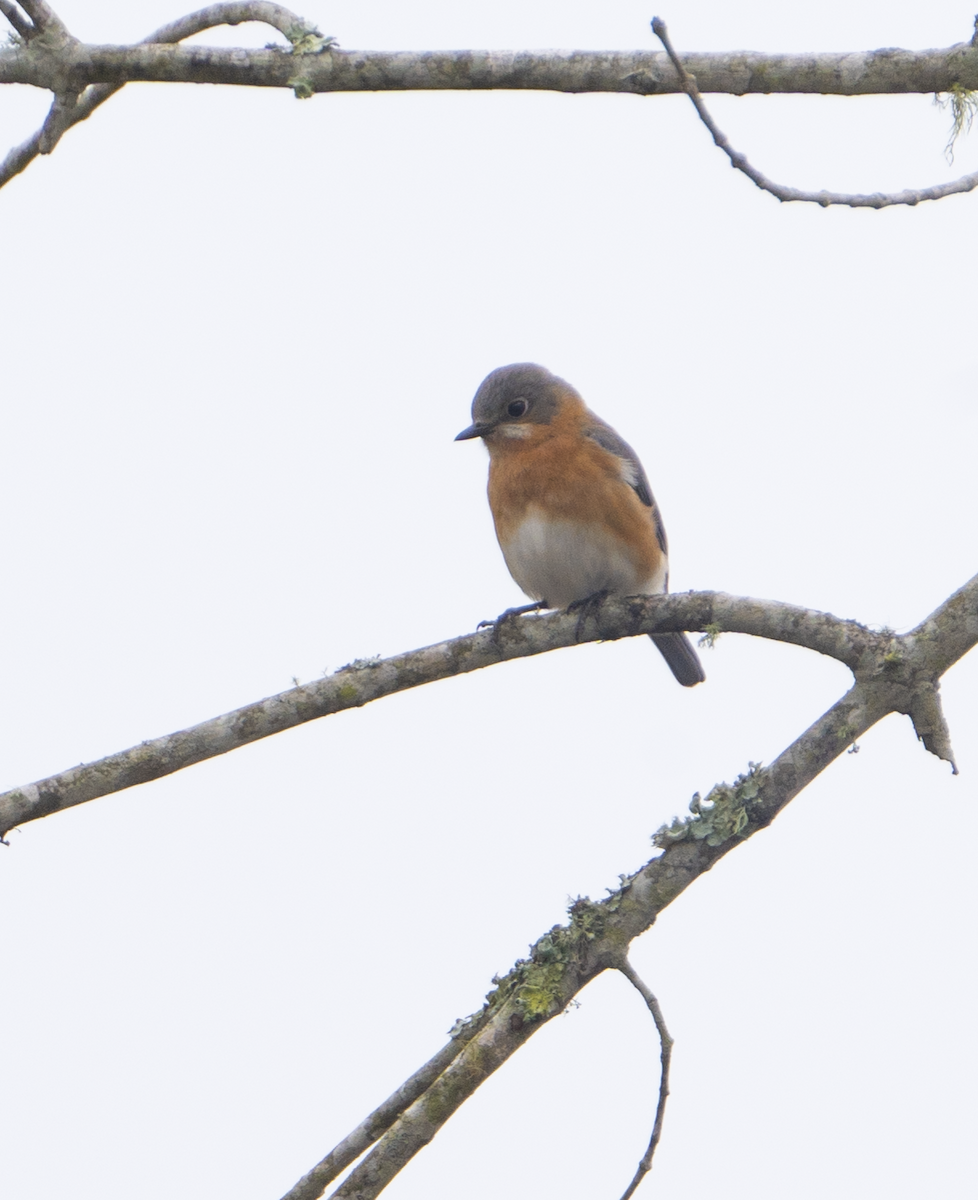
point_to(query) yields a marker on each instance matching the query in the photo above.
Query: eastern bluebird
(574, 513)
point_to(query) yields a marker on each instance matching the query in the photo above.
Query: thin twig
(62, 116)
(16, 18)
(910, 196)
(283, 19)
(665, 1058)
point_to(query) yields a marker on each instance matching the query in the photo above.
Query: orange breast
(556, 474)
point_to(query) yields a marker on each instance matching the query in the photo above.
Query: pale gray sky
(240, 334)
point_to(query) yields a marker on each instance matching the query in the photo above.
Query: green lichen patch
(536, 984)
(361, 664)
(306, 39)
(302, 87)
(724, 814)
(963, 104)
(711, 635)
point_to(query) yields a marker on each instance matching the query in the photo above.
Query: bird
(574, 513)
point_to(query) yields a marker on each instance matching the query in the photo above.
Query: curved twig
(910, 196)
(65, 113)
(367, 680)
(665, 1059)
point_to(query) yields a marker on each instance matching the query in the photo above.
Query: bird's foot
(508, 615)
(586, 606)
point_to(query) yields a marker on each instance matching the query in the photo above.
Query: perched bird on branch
(574, 513)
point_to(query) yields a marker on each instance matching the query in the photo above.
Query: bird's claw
(497, 624)
(587, 605)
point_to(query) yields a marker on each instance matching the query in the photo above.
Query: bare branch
(43, 16)
(314, 1183)
(22, 26)
(568, 957)
(596, 939)
(364, 681)
(60, 117)
(665, 1059)
(284, 20)
(70, 109)
(95, 72)
(910, 196)
(634, 72)
(929, 723)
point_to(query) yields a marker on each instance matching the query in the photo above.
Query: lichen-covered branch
(568, 957)
(890, 671)
(367, 680)
(909, 196)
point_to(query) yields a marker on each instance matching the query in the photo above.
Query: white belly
(564, 561)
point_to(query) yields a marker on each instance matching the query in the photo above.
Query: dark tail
(684, 662)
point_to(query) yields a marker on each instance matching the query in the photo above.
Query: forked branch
(69, 69)
(598, 934)
(69, 107)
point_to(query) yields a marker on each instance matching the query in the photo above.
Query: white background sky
(240, 333)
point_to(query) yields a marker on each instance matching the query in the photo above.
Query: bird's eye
(517, 408)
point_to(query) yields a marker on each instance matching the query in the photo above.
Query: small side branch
(72, 108)
(909, 196)
(22, 27)
(665, 1058)
(930, 725)
(278, 17)
(43, 16)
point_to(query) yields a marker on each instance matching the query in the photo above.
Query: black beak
(473, 431)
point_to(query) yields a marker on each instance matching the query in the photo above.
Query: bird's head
(512, 400)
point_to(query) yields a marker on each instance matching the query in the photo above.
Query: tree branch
(71, 108)
(637, 72)
(43, 17)
(22, 27)
(315, 1182)
(367, 680)
(665, 1059)
(909, 196)
(568, 957)
(92, 74)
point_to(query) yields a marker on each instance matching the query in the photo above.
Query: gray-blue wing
(632, 471)
(675, 648)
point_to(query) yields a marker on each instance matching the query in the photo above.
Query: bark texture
(71, 66)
